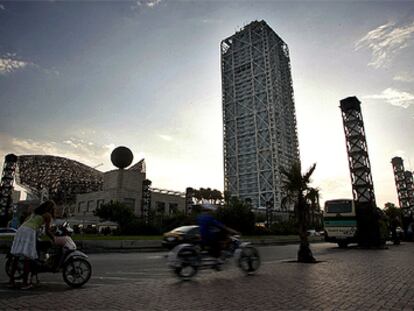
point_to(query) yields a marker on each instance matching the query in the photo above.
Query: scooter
(186, 259)
(59, 257)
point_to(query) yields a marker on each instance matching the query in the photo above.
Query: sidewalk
(345, 279)
(106, 246)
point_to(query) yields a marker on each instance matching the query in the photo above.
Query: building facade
(125, 186)
(259, 118)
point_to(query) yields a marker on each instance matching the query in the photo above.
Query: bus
(340, 222)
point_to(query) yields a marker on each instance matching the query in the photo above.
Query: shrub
(138, 227)
(284, 228)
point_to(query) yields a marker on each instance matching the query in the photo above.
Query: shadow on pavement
(295, 261)
(6, 292)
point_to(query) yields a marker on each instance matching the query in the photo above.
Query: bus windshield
(338, 207)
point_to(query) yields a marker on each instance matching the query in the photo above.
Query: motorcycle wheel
(189, 267)
(249, 260)
(186, 271)
(19, 270)
(77, 272)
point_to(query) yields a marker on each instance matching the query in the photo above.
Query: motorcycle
(186, 259)
(59, 257)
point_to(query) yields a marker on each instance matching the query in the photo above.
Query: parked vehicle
(59, 257)
(340, 222)
(186, 259)
(184, 234)
(399, 235)
(7, 232)
(312, 232)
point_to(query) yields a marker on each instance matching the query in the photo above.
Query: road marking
(279, 260)
(135, 273)
(118, 278)
(156, 257)
(52, 283)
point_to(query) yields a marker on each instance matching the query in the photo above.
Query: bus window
(339, 207)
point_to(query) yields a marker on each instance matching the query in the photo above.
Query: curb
(129, 246)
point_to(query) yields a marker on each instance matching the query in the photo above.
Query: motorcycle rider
(25, 240)
(214, 234)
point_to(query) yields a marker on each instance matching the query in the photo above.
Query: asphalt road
(112, 268)
(351, 279)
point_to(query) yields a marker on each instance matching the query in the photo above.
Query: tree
(117, 212)
(392, 211)
(313, 197)
(213, 196)
(299, 193)
(198, 196)
(394, 220)
(216, 196)
(237, 215)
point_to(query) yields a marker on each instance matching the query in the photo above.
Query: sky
(78, 79)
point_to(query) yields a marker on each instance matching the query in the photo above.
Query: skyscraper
(258, 114)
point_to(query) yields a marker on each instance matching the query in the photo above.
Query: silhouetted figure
(395, 222)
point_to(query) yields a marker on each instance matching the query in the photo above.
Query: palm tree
(296, 188)
(198, 196)
(216, 196)
(313, 197)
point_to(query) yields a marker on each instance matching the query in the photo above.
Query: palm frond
(308, 174)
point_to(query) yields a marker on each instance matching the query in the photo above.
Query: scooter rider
(24, 243)
(213, 233)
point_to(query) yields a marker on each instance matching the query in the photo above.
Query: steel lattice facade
(368, 232)
(259, 117)
(59, 177)
(400, 182)
(410, 188)
(356, 145)
(6, 187)
(405, 189)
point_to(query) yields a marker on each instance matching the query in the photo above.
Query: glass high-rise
(258, 114)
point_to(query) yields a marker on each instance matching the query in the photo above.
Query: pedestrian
(24, 243)
(410, 232)
(395, 222)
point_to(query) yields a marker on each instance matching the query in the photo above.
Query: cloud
(146, 3)
(165, 137)
(385, 42)
(394, 97)
(2, 7)
(211, 21)
(72, 148)
(9, 64)
(152, 3)
(404, 77)
(334, 187)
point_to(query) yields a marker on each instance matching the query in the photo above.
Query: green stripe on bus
(340, 223)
